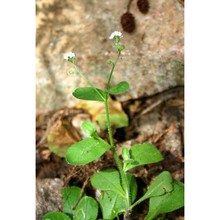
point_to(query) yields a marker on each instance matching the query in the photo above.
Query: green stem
(136, 203)
(109, 123)
(124, 180)
(112, 70)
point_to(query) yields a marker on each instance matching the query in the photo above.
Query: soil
(158, 119)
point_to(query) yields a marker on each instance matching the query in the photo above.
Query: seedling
(117, 187)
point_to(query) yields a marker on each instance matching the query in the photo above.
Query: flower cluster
(115, 34)
(71, 57)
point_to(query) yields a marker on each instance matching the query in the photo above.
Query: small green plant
(117, 188)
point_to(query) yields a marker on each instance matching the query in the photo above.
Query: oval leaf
(168, 202)
(70, 198)
(108, 180)
(162, 184)
(142, 154)
(111, 204)
(89, 93)
(119, 88)
(89, 128)
(55, 216)
(87, 209)
(86, 151)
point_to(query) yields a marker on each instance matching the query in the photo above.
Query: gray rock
(48, 196)
(151, 62)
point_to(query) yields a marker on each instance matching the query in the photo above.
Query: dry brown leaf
(97, 111)
(61, 135)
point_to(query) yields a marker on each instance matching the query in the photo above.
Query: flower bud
(109, 62)
(70, 72)
(125, 153)
(120, 47)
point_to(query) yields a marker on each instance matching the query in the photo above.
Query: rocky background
(153, 60)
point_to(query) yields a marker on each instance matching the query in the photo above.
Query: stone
(153, 59)
(48, 196)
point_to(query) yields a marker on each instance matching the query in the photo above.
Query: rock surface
(153, 59)
(48, 196)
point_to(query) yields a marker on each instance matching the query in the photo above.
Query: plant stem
(113, 67)
(124, 180)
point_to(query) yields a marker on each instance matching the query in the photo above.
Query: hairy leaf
(111, 204)
(70, 198)
(55, 216)
(167, 202)
(86, 150)
(142, 154)
(111, 201)
(162, 184)
(87, 209)
(108, 180)
(89, 93)
(119, 88)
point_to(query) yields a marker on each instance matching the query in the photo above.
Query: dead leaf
(97, 110)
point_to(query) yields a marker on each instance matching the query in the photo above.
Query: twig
(128, 5)
(81, 192)
(151, 107)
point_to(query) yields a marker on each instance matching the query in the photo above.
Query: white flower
(69, 55)
(115, 33)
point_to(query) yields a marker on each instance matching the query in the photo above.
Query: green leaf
(119, 88)
(167, 202)
(126, 158)
(58, 150)
(55, 216)
(108, 180)
(70, 198)
(119, 120)
(111, 204)
(142, 154)
(111, 201)
(90, 93)
(89, 128)
(87, 209)
(133, 186)
(162, 184)
(125, 153)
(86, 150)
